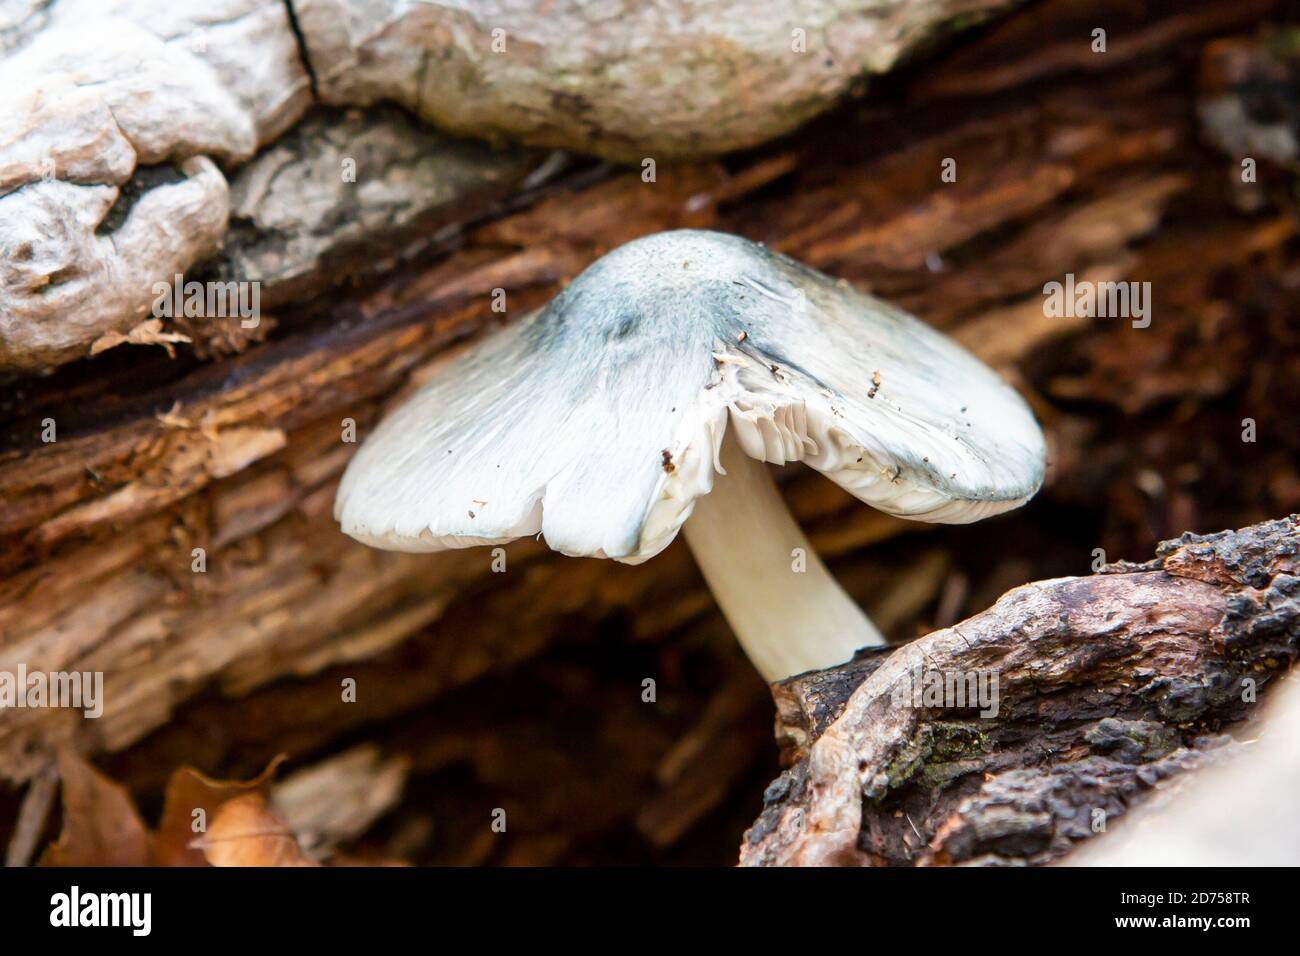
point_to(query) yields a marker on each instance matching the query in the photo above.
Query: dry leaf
(189, 791)
(100, 824)
(245, 832)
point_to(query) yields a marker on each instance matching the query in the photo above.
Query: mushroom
(601, 421)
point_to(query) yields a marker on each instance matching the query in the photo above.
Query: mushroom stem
(748, 547)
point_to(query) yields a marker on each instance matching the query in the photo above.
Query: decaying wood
(104, 95)
(31, 819)
(102, 99)
(1239, 812)
(697, 80)
(64, 286)
(339, 799)
(1105, 686)
(523, 690)
(339, 195)
(133, 473)
(1245, 106)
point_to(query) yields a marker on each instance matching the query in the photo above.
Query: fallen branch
(1101, 687)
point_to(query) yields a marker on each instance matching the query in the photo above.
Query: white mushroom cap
(597, 420)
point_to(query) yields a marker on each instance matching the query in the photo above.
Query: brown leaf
(100, 824)
(245, 832)
(189, 791)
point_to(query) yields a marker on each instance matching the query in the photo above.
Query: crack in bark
(304, 55)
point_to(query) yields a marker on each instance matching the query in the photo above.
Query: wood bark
(623, 79)
(1101, 688)
(122, 108)
(1237, 813)
(523, 689)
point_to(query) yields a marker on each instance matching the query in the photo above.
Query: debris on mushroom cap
(571, 403)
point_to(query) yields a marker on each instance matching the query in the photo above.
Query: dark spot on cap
(626, 326)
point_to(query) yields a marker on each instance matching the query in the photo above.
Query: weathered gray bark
(104, 95)
(343, 193)
(101, 99)
(626, 79)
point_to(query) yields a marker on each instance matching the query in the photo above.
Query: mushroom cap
(597, 419)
